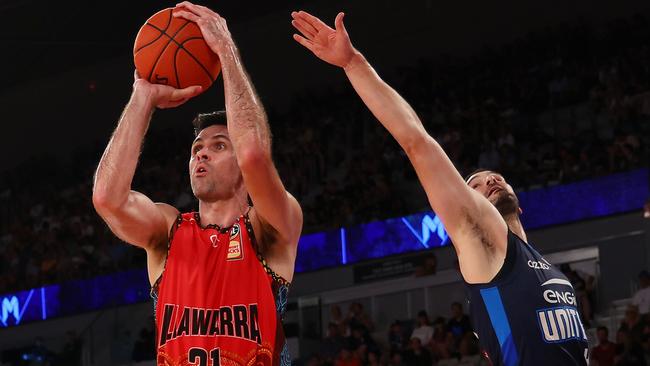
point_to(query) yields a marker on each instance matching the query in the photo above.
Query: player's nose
(490, 179)
(201, 155)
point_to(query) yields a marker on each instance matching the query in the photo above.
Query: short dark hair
(204, 120)
(603, 329)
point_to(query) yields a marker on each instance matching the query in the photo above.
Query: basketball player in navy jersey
(523, 308)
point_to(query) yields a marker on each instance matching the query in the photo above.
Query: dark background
(67, 67)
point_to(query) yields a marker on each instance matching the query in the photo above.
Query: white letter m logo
(10, 307)
(429, 225)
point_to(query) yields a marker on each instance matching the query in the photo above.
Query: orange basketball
(172, 51)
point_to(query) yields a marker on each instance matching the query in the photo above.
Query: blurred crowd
(554, 106)
(128, 347)
(39, 354)
(352, 341)
(631, 346)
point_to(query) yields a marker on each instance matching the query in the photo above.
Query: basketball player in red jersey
(220, 275)
(511, 286)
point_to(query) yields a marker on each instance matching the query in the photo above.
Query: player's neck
(515, 226)
(223, 212)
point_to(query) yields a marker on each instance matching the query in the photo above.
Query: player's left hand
(213, 26)
(163, 96)
(330, 45)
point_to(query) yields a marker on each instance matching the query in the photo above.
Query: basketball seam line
(171, 39)
(180, 47)
(169, 22)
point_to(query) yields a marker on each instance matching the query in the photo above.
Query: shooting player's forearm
(247, 121)
(117, 166)
(392, 111)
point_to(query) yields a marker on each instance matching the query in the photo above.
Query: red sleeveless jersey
(217, 302)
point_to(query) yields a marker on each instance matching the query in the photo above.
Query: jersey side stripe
(497, 313)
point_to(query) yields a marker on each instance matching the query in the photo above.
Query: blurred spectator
(633, 324)
(373, 359)
(357, 318)
(469, 350)
(605, 352)
(396, 359)
(336, 317)
(396, 338)
(361, 339)
(459, 323)
(423, 330)
(438, 342)
(646, 348)
(628, 351)
(646, 209)
(416, 355)
(333, 343)
(347, 357)
(428, 267)
(641, 297)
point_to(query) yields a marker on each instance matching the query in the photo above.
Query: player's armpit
(476, 228)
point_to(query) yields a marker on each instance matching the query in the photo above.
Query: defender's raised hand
(330, 45)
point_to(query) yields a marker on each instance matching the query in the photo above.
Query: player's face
(495, 188)
(214, 173)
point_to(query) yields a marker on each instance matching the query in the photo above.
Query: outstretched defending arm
(474, 225)
(131, 215)
(249, 130)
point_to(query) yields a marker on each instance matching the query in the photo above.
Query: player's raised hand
(164, 96)
(330, 45)
(213, 27)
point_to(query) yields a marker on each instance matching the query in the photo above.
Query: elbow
(253, 159)
(103, 201)
(418, 145)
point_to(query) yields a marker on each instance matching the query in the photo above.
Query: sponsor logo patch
(235, 251)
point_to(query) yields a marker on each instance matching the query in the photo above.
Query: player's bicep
(275, 206)
(140, 221)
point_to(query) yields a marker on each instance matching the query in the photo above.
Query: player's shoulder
(170, 213)
(168, 210)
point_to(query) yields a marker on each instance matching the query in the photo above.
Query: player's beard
(204, 190)
(507, 203)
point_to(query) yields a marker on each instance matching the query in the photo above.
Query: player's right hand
(330, 45)
(164, 96)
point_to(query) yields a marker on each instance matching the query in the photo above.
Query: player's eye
(220, 146)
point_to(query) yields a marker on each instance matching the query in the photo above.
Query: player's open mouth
(200, 172)
(494, 190)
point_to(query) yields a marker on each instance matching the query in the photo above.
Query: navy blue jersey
(527, 315)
